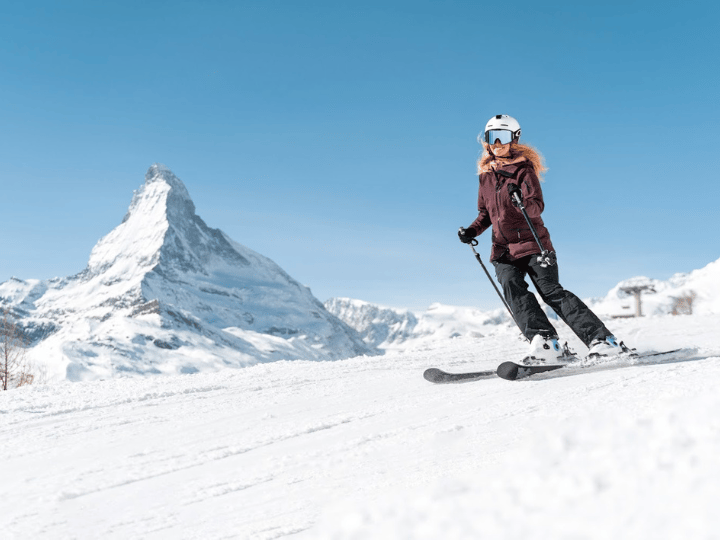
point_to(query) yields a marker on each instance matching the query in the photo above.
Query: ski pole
(545, 258)
(474, 243)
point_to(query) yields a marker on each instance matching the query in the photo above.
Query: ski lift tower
(636, 291)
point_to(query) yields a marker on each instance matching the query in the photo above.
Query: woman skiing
(508, 168)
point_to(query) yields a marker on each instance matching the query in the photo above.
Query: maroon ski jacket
(511, 236)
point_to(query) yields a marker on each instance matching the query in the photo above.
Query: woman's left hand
(512, 190)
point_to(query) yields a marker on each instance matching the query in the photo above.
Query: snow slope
(165, 293)
(365, 448)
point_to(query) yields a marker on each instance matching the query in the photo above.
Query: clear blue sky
(338, 138)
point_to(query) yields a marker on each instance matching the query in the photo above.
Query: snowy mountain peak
(161, 232)
(163, 193)
(178, 198)
(165, 293)
(159, 170)
(136, 242)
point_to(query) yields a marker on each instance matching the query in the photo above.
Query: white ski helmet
(500, 126)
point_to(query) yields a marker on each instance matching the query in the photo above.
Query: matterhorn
(163, 293)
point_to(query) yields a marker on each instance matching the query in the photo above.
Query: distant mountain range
(397, 329)
(388, 329)
(165, 293)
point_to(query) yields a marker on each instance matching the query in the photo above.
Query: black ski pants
(529, 316)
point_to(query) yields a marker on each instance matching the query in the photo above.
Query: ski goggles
(505, 136)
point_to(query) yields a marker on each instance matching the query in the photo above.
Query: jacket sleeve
(531, 192)
(482, 222)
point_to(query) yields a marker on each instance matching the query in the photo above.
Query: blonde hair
(518, 153)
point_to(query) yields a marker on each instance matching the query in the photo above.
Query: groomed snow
(366, 449)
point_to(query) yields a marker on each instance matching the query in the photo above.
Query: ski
(438, 376)
(511, 371)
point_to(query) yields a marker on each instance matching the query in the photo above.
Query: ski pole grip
(518, 200)
(547, 258)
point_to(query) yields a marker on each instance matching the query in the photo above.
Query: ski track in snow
(365, 448)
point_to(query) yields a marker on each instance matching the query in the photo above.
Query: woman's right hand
(466, 235)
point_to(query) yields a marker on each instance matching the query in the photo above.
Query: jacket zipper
(497, 204)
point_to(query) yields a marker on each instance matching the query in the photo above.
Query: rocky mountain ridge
(165, 293)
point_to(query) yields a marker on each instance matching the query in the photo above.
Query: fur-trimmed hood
(518, 154)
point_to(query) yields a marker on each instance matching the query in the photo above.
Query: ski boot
(543, 350)
(608, 346)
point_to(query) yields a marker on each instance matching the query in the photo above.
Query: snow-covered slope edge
(164, 293)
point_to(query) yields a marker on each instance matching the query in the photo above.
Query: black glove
(466, 235)
(513, 188)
